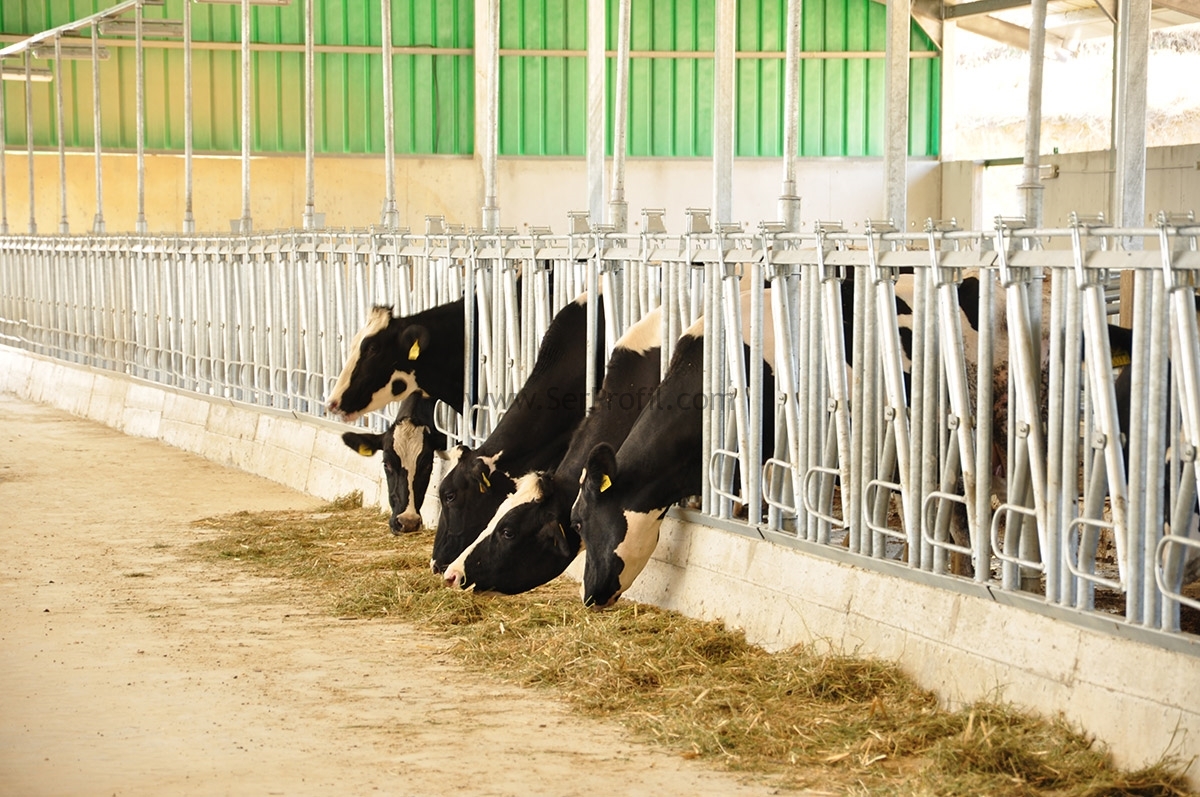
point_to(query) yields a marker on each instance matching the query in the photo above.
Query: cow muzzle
(455, 578)
(405, 523)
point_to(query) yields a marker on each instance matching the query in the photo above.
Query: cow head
(408, 447)
(618, 540)
(380, 365)
(527, 542)
(470, 493)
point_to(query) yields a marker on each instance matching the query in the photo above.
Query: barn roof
(1068, 22)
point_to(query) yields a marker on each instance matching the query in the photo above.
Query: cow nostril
(452, 579)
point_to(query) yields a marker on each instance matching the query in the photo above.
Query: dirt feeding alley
(130, 669)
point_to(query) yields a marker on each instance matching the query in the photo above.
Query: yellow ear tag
(484, 478)
(561, 532)
(365, 450)
(415, 351)
(605, 482)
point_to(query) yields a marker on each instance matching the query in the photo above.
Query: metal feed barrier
(899, 457)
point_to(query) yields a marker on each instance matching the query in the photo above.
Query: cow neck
(660, 459)
(631, 378)
(536, 430)
(439, 368)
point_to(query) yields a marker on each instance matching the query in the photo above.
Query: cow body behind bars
(530, 539)
(533, 434)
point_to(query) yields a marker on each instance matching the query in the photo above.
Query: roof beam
(928, 15)
(1189, 7)
(1013, 35)
(1109, 7)
(960, 10)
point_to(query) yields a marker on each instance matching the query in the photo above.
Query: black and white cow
(408, 447)
(532, 435)
(625, 492)
(392, 357)
(530, 539)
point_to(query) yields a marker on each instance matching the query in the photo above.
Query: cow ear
(414, 339)
(545, 489)
(363, 442)
(565, 541)
(601, 467)
(480, 474)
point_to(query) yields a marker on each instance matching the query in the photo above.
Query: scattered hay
(798, 718)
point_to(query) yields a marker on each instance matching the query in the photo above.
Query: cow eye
(507, 532)
(577, 527)
(449, 496)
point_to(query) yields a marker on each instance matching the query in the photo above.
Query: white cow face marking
(377, 322)
(528, 491)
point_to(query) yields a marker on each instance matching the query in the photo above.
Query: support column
(1031, 184)
(64, 227)
(29, 138)
(310, 191)
(189, 221)
(3, 167)
(140, 90)
(1129, 117)
(487, 88)
(724, 73)
(246, 224)
(390, 217)
(789, 202)
(618, 210)
(895, 112)
(98, 219)
(597, 111)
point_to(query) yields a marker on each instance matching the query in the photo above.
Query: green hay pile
(797, 718)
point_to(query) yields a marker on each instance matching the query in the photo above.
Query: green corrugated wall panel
(671, 99)
(543, 98)
(433, 94)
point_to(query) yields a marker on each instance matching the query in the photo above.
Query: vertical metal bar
(309, 120)
(1155, 503)
(98, 220)
(789, 202)
(140, 61)
(1065, 415)
(189, 221)
(618, 210)
(597, 107)
(724, 78)
(593, 301)
(983, 427)
(246, 223)
(390, 217)
(1098, 356)
(29, 138)
(63, 225)
(1031, 185)
(895, 112)
(752, 476)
